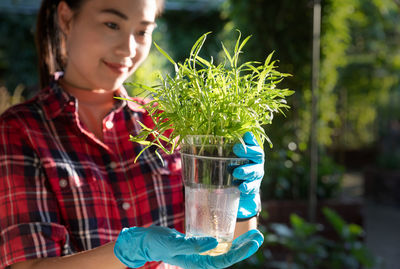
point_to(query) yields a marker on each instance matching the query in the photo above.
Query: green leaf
(364, 256)
(139, 85)
(159, 156)
(141, 142)
(244, 42)
(166, 55)
(268, 60)
(227, 54)
(144, 126)
(122, 98)
(197, 46)
(355, 230)
(336, 221)
(301, 227)
(203, 61)
(140, 153)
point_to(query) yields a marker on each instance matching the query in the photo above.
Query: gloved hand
(137, 245)
(242, 247)
(250, 174)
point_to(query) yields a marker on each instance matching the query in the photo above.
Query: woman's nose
(127, 47)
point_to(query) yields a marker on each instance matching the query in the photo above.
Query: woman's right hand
(137, 245)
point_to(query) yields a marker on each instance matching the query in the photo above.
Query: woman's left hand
(250, 174)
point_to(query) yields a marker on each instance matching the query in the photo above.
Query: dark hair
(50, 43)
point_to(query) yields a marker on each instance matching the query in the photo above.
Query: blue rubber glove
(250, 175)
(242, 247)
(137, 245)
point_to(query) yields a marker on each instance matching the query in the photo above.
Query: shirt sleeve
(29, 220)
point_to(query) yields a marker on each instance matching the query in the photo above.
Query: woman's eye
(143, 33)
(112, 25)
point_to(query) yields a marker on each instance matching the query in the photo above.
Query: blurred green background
(358, 121)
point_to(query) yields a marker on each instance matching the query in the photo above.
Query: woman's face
(106, 41)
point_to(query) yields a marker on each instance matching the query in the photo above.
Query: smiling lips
(118, 68)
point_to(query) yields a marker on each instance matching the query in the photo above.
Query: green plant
(305, 246)
(203, 98)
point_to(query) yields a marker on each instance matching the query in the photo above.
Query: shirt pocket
(85, 200)
(168, 193)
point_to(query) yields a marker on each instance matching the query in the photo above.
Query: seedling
(204, 98)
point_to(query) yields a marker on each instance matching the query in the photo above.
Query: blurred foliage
(7, 100)
(18, 62)
(368, 85)
(176, 32)
(182, 28)
(303, 245)
(288, 171)
(286, 28)
(357, 77)
(389, 149)
(359, 83)
(155, 63)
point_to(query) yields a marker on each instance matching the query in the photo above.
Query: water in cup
(212, 211)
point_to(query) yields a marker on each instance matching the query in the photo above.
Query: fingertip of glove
(238, 173)
(243, 188)
(249, 138)
(204, 243)
(256, 237)
(255, 240)
(238, 149)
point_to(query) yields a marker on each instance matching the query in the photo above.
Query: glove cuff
(122, 248)
(246, 219)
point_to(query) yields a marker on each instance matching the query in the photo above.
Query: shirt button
(126, 205)
(63, 183)
(113, 165)
(163, 212)
(109, 124)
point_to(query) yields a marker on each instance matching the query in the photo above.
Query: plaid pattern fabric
(63, 191)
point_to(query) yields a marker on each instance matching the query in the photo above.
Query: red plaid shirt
(63, 191)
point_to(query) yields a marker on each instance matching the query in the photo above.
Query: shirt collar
(55, 100)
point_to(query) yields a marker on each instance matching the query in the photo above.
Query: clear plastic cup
(211, 193)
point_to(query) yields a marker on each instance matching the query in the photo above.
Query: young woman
(68, 181)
